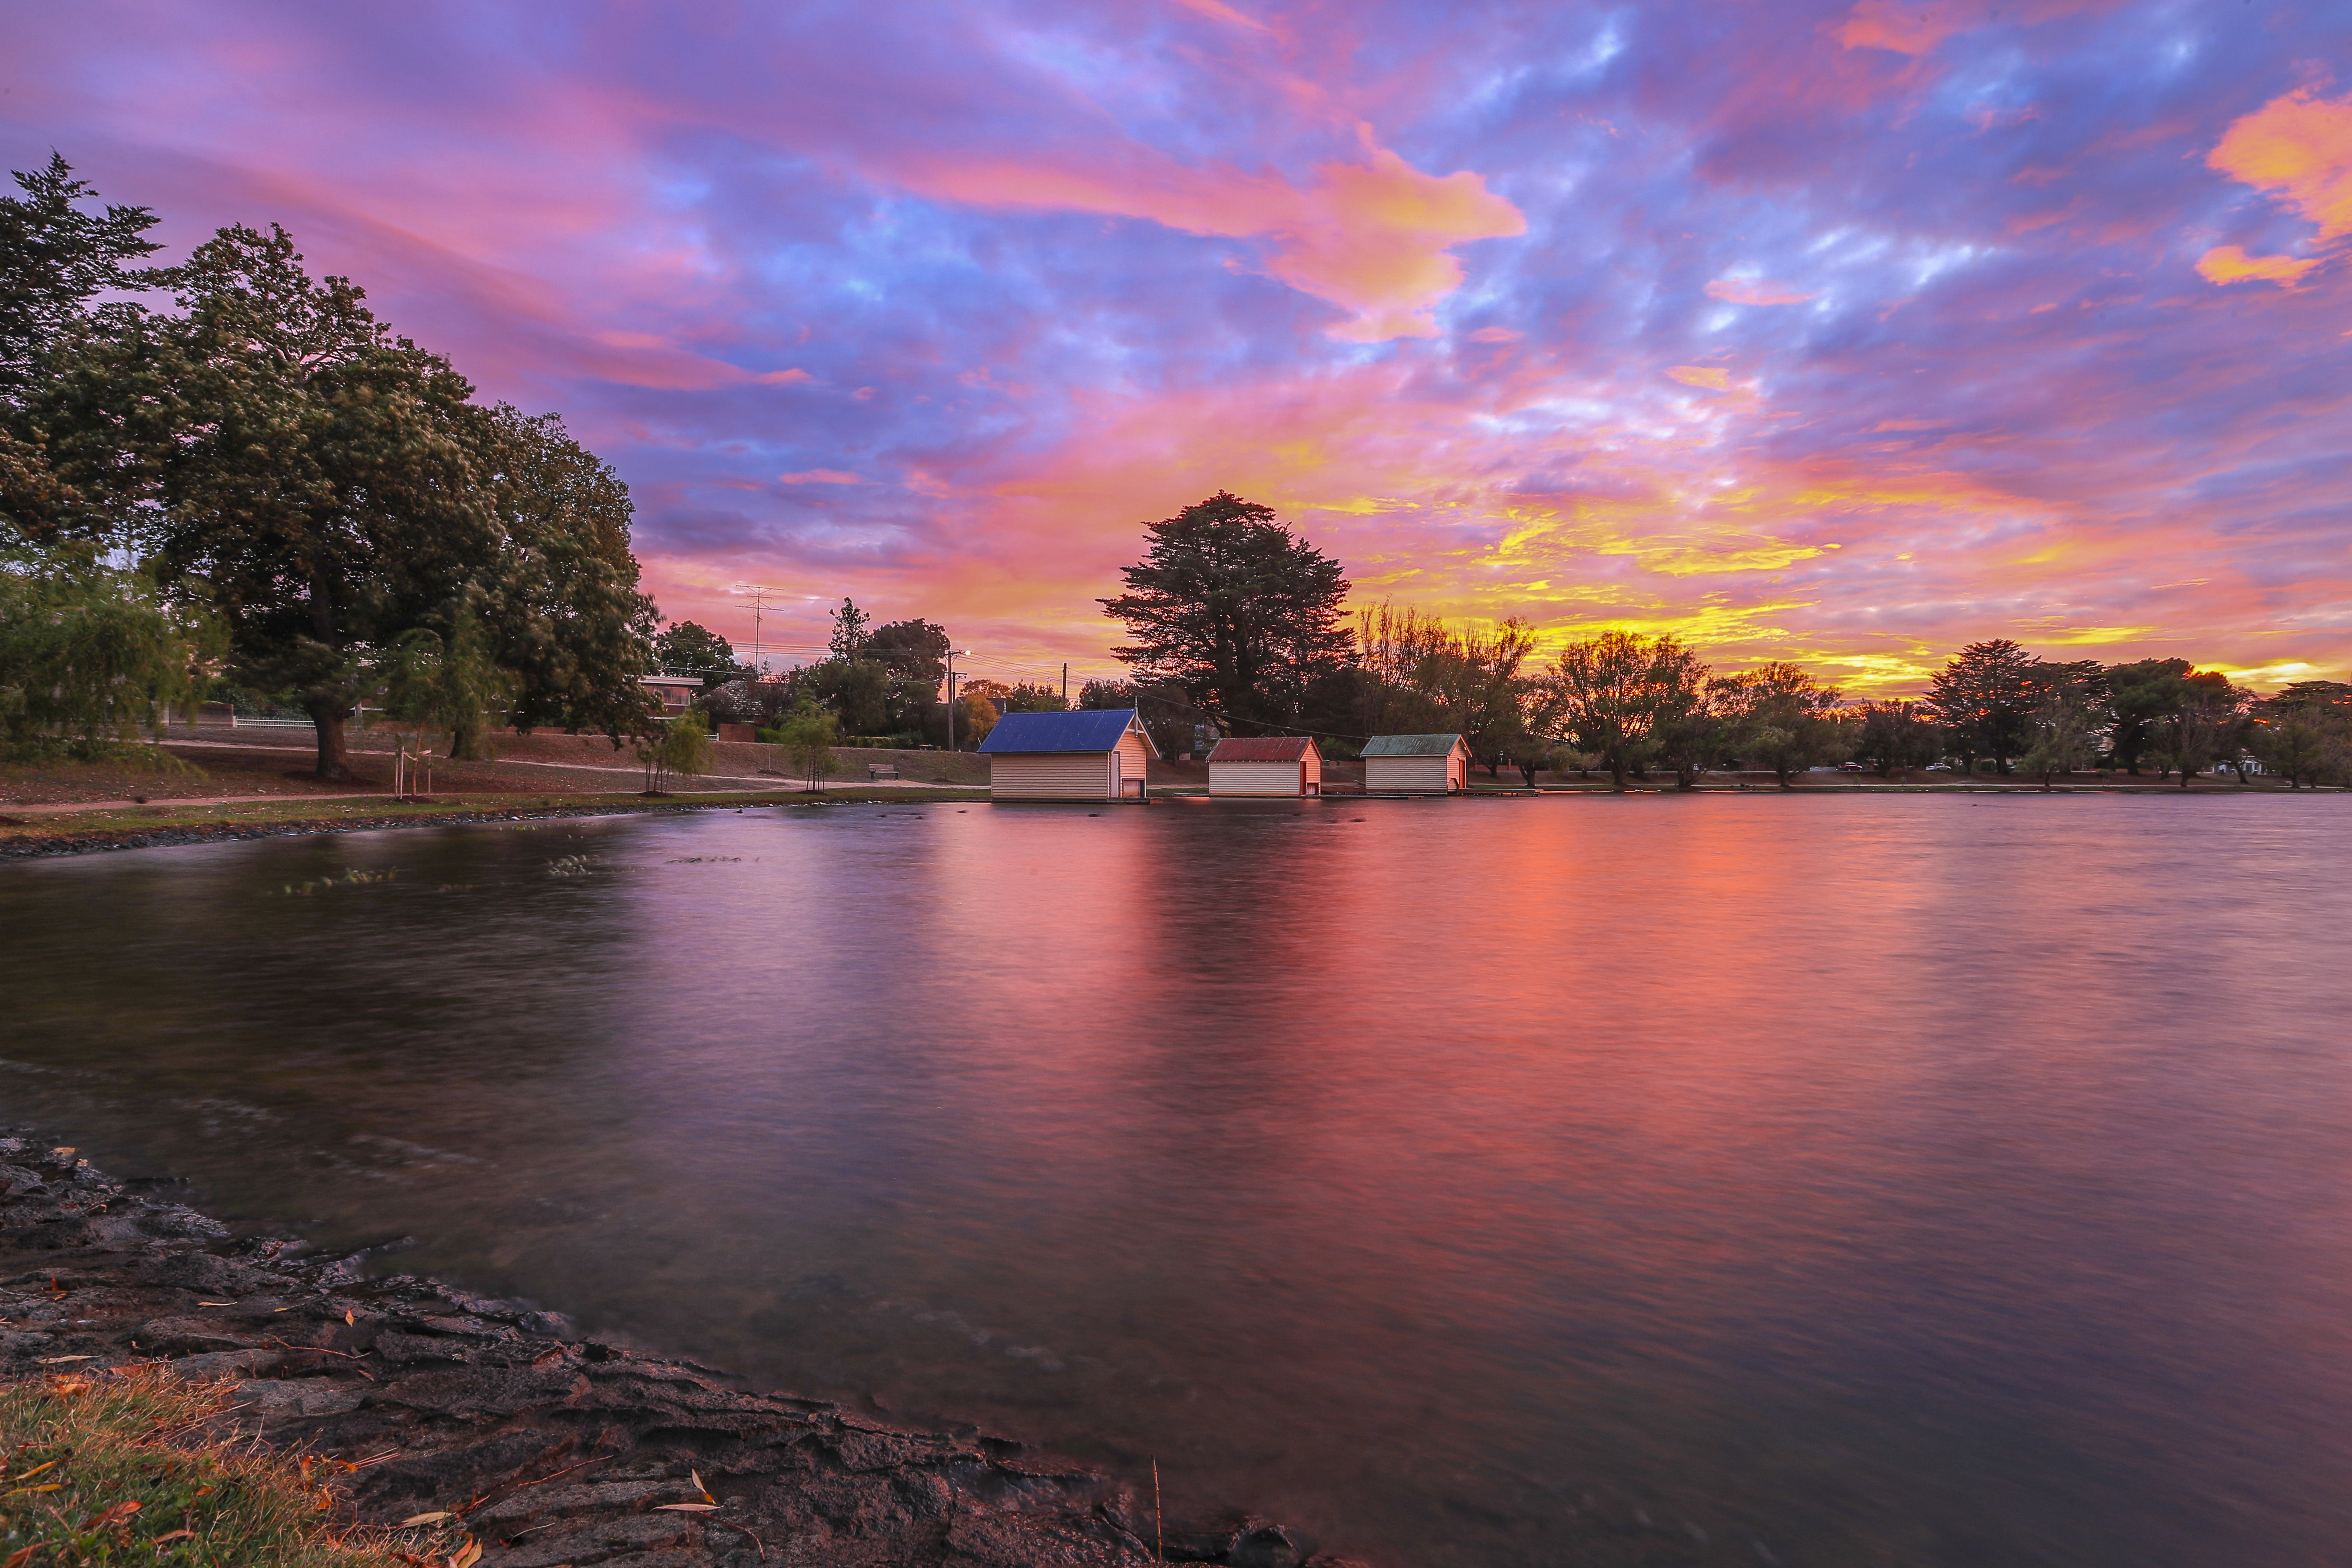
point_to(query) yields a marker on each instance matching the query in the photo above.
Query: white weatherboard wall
(1134, 763)
(1254, 778)
(1418, 776)
(1054, 775)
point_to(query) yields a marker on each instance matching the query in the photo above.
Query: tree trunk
(334, 759)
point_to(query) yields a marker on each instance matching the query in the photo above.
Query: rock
(52, 1235)
(394, 1345)
(569, 1447)
(208, 1275)
(302, 1397)
(188, 1336)
(1265, 1546)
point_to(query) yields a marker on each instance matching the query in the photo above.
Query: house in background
(1417, 765)
(1094, 754)
(675, 693)
(1289, 765)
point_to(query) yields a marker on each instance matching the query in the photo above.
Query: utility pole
(954, 653)
(1065, 683)
(758, 593)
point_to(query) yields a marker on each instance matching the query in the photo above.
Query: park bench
(881, 770)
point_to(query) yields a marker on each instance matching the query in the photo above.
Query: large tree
(913, 657)
(2206, 721)
(1782, 717)
(56, 257)
(2140, 695)
(1232, 608)
(559, 598)
(326, 488)
(1984, 697)
(1896, 737)
(2304, 734)
(1614, 690)
(689, 648)
(312, 476)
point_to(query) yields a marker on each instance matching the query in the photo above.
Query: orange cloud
(2299, 147)
(1374, 238)
(2230, 264)
(1916, 26)
(1708, 376)
(1754, 291)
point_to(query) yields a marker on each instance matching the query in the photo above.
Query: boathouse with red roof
(1286, 765)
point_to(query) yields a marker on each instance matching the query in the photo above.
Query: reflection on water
(1649, 1180)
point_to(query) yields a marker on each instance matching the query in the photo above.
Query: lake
(1749, 1179)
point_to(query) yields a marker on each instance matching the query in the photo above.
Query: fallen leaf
(216, 1304)
(468, 1555)
(23, 1555)
(348, 1317)
(175, 1535)
(686, 1508)
(37, 1469)
(436, 1515)
(57, 1360)
(701, 1488)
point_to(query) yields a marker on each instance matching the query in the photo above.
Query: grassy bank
(108, 1469)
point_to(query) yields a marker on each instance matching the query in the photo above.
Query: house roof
(1088, 729)
(1411, 746)
(1263, 749)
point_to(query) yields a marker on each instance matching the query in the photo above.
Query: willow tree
(89, 653)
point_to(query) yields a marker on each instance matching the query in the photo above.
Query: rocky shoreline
(556, 1450)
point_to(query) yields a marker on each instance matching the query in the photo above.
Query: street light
(954, 653)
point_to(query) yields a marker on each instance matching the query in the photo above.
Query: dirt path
(757, 781)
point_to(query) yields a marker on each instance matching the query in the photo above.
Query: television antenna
(758, 593)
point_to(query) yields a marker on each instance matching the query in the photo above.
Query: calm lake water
(1738, 1179)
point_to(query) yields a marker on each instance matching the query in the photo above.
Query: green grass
(111, 1470)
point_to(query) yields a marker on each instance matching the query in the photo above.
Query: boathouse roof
(1088, 729)
(1263, 749)
(1411, 746)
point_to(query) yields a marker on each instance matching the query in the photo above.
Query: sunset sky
(1840, 331)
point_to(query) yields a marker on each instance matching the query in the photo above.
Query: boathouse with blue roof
(1094, 754)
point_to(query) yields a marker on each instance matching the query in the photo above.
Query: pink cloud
(821, 477)
(1755, 291)
(1373, 238)
(1709, 376)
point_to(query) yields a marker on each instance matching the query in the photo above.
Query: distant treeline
(1239, 628)
(1238, 625)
